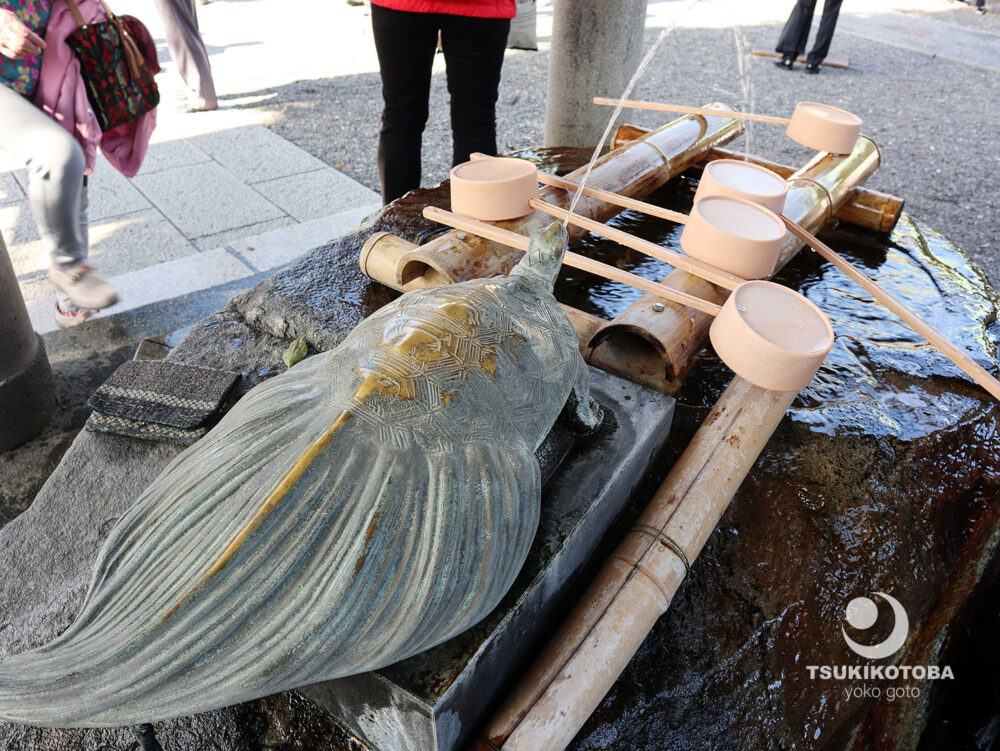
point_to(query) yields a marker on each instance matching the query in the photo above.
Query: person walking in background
(56, 161)
(473, 39)
(180, 27)
(795, 35)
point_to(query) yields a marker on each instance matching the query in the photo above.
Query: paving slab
(219, 239)
(203, 199)
(37, 287)
(312, 195)
(169, 154)
(255, 153)
(10, 190)
(21, 235)
(273, 249)
(112, 194)
(158, 283)
(145, 238)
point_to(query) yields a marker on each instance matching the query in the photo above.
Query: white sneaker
(84, 286)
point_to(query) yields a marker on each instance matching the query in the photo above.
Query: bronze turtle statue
(366, 505)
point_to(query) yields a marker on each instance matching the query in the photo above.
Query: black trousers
(473, 54)
(795, 35)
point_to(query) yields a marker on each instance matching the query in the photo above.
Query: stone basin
(882, 478)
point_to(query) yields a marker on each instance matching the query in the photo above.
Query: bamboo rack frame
(635, 170)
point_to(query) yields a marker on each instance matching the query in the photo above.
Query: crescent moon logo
(862, 613)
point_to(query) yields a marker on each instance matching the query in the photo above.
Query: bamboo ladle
(770, 335)
(818, 126)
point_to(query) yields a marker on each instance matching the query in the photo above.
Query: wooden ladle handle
(705, 111)
(971, 368)
(679, 260)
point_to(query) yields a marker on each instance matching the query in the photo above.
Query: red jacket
(475, 8)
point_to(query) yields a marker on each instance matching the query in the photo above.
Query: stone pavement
(203, 211)
(219, 198)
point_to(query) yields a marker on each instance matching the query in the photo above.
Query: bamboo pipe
(678, 260)
(945, 347)
(682, 109)
(514, 240)
(634, 170)
(638, 581)
(865, 208)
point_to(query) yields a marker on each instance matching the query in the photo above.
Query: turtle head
(545, 253)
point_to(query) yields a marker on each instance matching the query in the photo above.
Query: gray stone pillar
(596, 47)
(27, 391)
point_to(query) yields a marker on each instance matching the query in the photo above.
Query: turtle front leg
(582, 414)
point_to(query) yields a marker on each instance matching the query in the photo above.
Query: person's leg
(180, 27)
(795, 35)
(405, 44)
(57, 197)
(55, 165)
(824, 36)
(473, 53)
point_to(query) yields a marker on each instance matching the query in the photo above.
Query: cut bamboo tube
(634, 170)
(969, 366)
(680, 108)
(678, 260)
(520, 242)
(638, 581)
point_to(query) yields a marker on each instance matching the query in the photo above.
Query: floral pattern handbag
(118, 79)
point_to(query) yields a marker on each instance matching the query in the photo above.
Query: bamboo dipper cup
(493, 189)
(751, 182)
(818, 126)
(740, 236)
